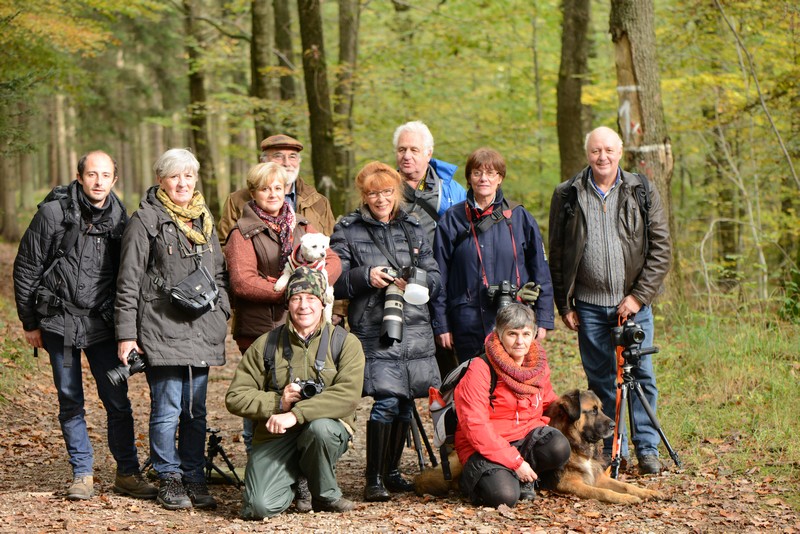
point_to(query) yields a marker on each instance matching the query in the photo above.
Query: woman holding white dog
(385, 256)
(257, 250)
(502, 439)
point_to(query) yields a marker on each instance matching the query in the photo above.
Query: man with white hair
(429, 188)
(609, 254)
(303, 197)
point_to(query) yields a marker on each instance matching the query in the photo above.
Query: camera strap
(335, 341)
(483, 226)
(413, 250)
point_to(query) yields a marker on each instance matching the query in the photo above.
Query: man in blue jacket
(429, 184)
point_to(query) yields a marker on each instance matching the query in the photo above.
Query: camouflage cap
(306, 280)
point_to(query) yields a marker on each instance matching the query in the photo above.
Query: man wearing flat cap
(297, 434)
(302, 197)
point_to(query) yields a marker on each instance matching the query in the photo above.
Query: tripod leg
(619, 421)
(425, 440)
(653, 419)
(417, 443)
(231, 467)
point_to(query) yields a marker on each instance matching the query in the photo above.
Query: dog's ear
(571, 404)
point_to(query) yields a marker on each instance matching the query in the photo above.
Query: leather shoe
(649, 464)
(341, 505)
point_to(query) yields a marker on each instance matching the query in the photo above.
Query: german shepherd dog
(579, 416)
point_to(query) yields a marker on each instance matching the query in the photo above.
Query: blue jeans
(71, 413)
(389, 409)
(599, 362)
(178, 405)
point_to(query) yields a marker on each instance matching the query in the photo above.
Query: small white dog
(310, 252)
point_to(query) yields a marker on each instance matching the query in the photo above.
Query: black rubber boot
(377, 439)
(397, 442)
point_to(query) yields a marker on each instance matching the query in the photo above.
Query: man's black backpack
(642, 198)
(61, 194)
(336, 342)
(443, 409)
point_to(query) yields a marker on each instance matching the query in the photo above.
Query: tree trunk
(25, 161)
(260, 55)
(64, 175)
(10, 183)
(641, 112)
(198, 118)
(570, 119)
(318, 97)
(283, 47)
(349, 15)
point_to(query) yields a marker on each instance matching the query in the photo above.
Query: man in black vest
(66, 303)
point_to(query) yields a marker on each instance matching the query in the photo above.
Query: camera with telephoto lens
(502, 294)
(309, 388)
(120, 373)
(392, 323)
(628, 334)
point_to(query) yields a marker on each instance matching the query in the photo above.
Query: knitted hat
(306, 280)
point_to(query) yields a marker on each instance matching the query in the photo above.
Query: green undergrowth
(15, 354)
(728, 394)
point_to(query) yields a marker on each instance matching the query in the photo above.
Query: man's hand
(124, 348)
(529, 293)
(281, 422)
(337, 319)
(445, 340)
(571, 320)
(291, 394)
(628, 307)
(34, 338)
(525, 472)
(541, 333)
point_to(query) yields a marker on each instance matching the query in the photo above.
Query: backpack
(61, 194)
(336, 342)
(441, 404)
(641, 191)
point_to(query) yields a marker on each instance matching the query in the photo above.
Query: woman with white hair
(170, 237)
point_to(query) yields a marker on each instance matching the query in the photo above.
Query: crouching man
(302, 396)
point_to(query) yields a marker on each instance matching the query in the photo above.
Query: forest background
(714, 122)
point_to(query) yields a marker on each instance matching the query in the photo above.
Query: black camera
(309, 388)
(120, 373)
(627, 335)
(502, 294)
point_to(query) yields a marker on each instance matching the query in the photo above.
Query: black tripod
(214, 447)
(631, 357)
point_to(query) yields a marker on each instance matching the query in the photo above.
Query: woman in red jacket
(504, 442)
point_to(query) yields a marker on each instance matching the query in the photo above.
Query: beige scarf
(196, 209)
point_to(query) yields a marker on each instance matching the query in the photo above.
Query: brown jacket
(310, 204)
(253, 255)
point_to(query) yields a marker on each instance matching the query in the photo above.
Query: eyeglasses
(477, 173)
(292, 157)
(385, 193)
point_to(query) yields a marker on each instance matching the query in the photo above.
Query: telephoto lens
(392, 324)
(119, 374)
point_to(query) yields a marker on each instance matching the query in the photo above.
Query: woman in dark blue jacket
(490, 252)
(375, 243)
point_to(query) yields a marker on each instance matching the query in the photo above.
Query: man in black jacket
(65, 289)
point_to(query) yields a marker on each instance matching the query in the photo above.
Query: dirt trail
(35, 473)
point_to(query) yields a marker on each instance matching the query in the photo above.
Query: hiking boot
(82, 488)
(199, 495)
(302, 496)
(135, 486)
(527, 491)
(172, 495)
(341, 505)
(649, 464)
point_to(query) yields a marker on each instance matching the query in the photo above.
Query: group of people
(108, 290)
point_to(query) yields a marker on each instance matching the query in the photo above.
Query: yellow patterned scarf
(196, 209)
